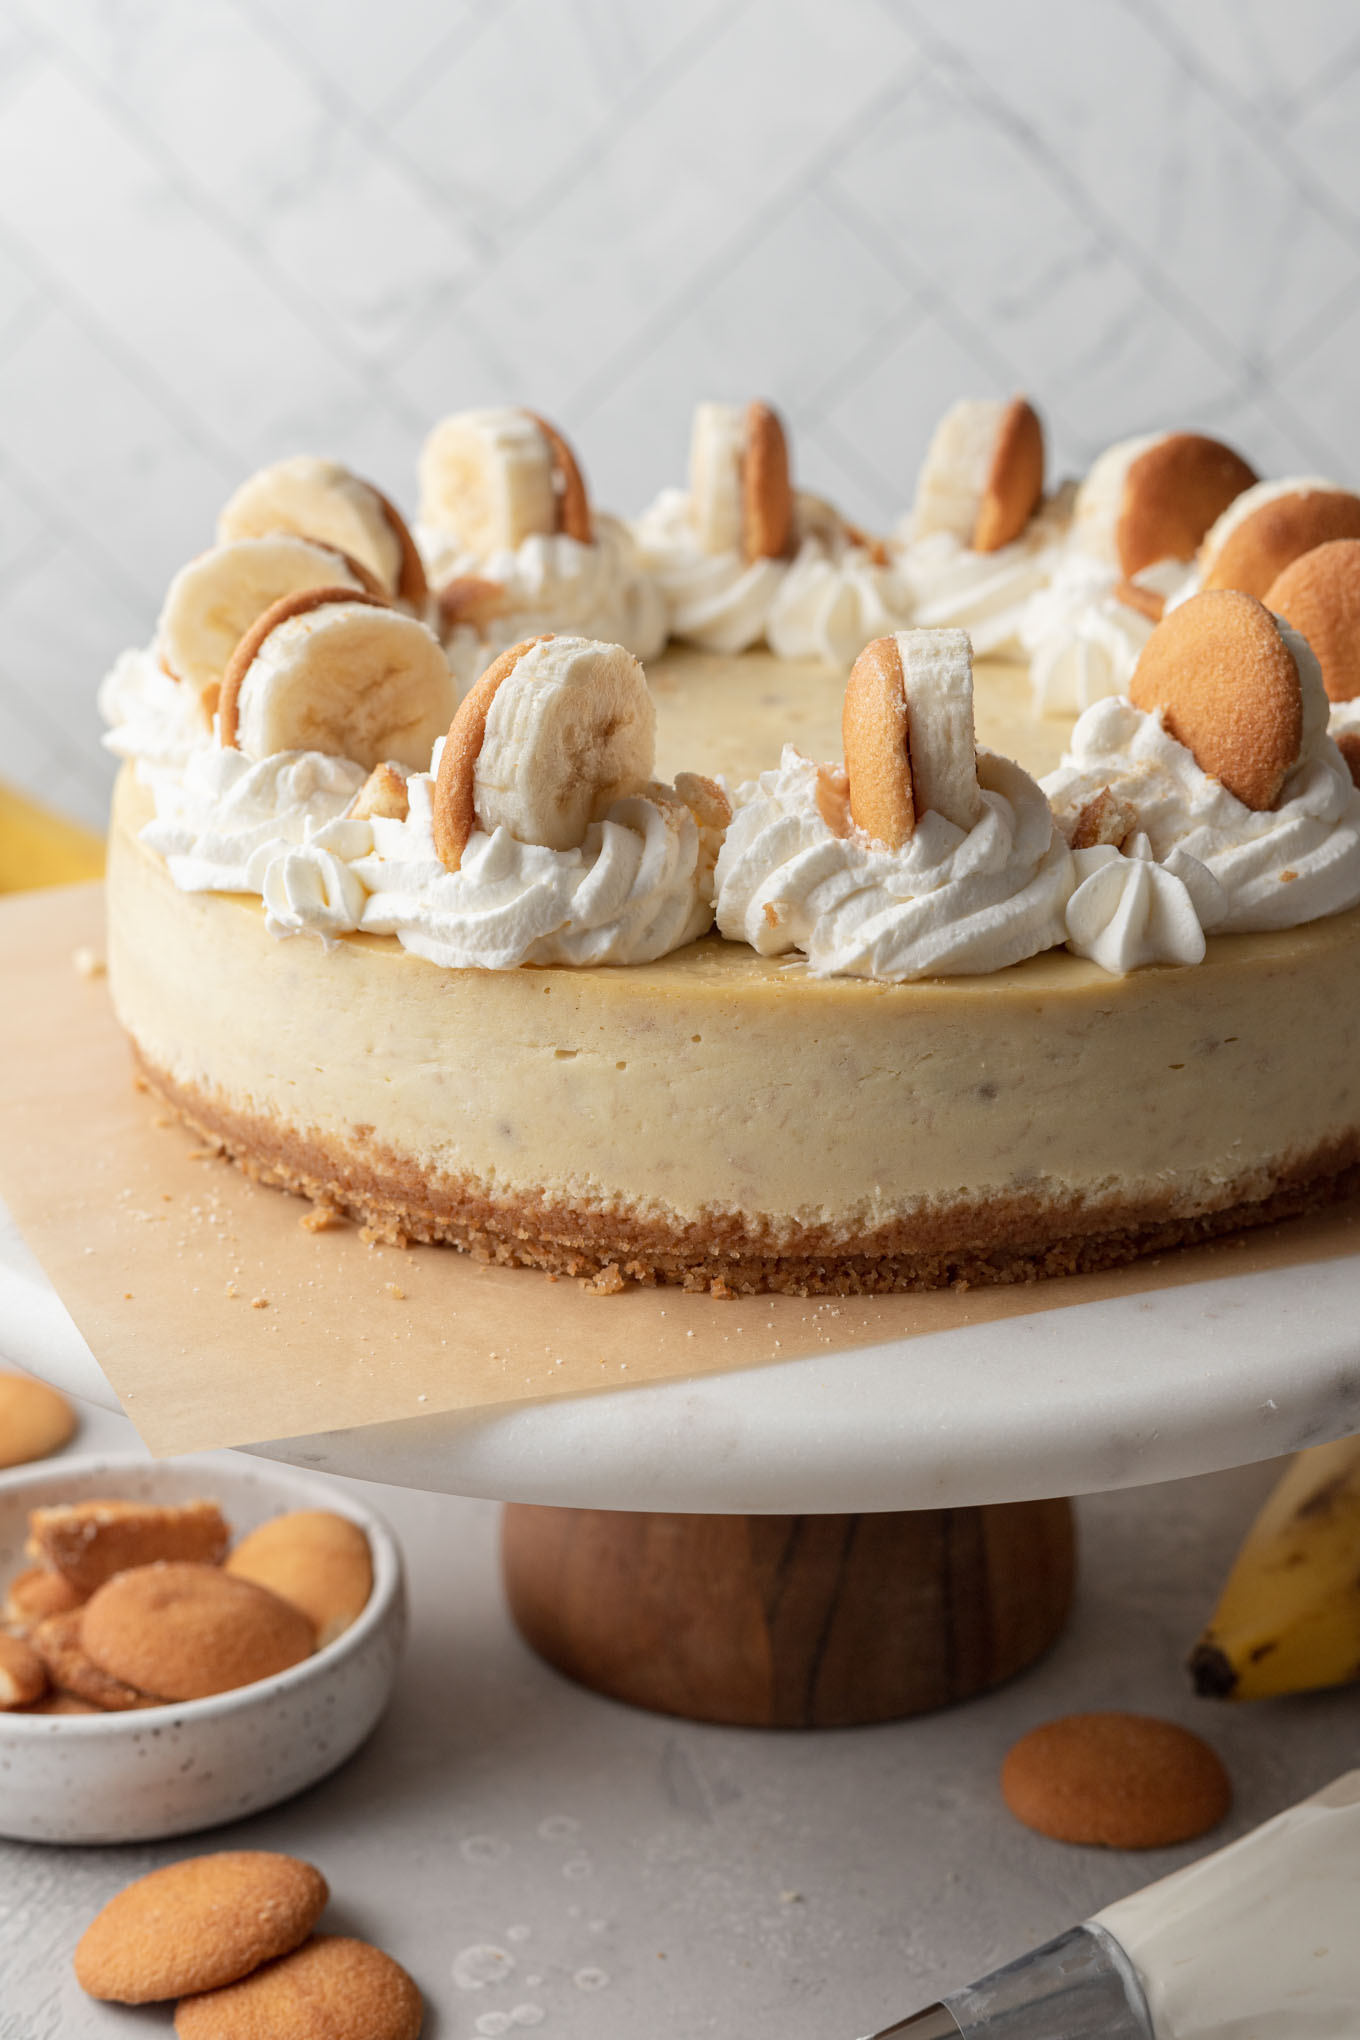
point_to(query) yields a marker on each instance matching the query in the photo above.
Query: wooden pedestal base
(791, 1621)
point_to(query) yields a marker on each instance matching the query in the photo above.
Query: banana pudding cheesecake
(694, 901)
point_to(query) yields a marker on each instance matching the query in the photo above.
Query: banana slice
(554, 731)
(740, 495)
(907, 726)
(496, 477)
(329, 670)
(320, 499)
(983, 473)
(211, 603)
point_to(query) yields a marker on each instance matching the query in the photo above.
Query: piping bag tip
(1080, 1987)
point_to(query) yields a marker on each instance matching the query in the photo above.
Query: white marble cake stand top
(1078, 1400)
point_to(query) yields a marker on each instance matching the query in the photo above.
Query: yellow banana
(38, 848)
(1289, 1616)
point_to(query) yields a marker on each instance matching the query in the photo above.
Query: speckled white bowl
(194, 1764)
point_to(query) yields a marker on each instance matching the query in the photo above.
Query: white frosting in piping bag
(1261, 1940)
(951, 900)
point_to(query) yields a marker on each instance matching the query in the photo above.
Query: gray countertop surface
(538, 1857)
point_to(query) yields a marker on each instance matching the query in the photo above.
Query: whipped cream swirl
(1083, 642)
(553, 583)
(1279, 868)
(951, 900)
(221, 822)
(826, 602)
(719, 601)
(312, 890)
(152, 717)
(832, 599)
(949, 586)
(639, 886)
(1129, 911)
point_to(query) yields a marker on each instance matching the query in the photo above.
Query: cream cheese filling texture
(719, 1082)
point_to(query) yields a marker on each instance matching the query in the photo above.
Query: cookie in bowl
(179, 1692)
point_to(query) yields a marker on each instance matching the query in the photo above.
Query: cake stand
(843, 1539)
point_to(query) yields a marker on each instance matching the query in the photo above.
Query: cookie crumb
(395, 1291)
(608, 1282)
(322, 1218)
(259, 1303)
(383, 1236)
(88, 962)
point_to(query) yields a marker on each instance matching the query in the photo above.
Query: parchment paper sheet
(220, 1320)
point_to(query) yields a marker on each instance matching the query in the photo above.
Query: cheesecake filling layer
(716, 1108)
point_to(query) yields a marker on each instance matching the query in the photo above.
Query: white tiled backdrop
(231, 229)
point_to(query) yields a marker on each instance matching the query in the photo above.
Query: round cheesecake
(727, 1121)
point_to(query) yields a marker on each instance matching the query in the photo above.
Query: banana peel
(40, 848)
(1288, 1620)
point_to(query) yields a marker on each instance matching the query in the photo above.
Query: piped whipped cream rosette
(539, 835)
(981, 538)
(326, 686)
(1137, 521)
(922, 857)
(1128, 911)
(515, 547)
(1221, 755)
(742, 557)
(1319, 594)
(224, 822)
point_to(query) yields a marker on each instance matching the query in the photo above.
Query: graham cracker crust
(1013, 1239)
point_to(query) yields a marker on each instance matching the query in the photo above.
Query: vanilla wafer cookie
(199, 1924)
